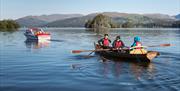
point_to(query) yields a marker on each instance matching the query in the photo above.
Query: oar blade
(165, 44)
(76, 51)
(161, 45)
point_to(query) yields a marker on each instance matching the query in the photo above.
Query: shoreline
(108, 28)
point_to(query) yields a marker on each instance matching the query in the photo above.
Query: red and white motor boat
(37, 34)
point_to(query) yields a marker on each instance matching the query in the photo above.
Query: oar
(79, 51)
(161, 45)
(90, 53)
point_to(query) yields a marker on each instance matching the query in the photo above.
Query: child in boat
(105, 41)
(137, 50)
(118, 43)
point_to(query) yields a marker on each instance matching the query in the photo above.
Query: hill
(34, 21)
(79, 20)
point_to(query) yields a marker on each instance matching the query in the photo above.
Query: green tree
(88, 24)
(128, 24)
(8, 25)
(100, 21)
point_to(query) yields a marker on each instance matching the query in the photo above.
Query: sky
(13, 9)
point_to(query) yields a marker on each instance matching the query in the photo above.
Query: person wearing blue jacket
(138, 45)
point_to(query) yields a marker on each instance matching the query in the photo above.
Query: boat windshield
(36, 30)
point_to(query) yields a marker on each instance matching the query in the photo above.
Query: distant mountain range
(35, 21)
(78, 20)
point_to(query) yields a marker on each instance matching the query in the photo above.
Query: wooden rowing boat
(126, 56)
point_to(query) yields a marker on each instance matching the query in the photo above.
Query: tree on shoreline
(7, 25)
(100, 21)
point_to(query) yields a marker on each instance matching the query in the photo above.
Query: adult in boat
(105, 42)
(137, 50)
(118, 43)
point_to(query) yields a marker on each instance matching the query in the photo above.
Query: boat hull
(44, 37)
(126, 56)
(38, 37)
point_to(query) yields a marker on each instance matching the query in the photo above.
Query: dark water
(50, 66)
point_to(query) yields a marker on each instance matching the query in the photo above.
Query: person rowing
(105, 42)
(138, 46)
(118, 43)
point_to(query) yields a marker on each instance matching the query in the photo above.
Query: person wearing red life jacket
(118, 43)
(105, 42)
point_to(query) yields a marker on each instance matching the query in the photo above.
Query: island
(8, 25)
(104, 21)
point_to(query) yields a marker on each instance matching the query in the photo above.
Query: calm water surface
(50, 65)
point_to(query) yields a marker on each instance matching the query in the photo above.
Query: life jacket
(138, 50)
(118, 44)
(105, 42)
(138, 44)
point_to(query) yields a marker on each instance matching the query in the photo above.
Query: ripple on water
(28, 66)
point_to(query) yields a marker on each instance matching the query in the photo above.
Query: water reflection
(35, 44)
(137, 70)
(116, 68)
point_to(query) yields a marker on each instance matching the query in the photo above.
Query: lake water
(50, 65)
